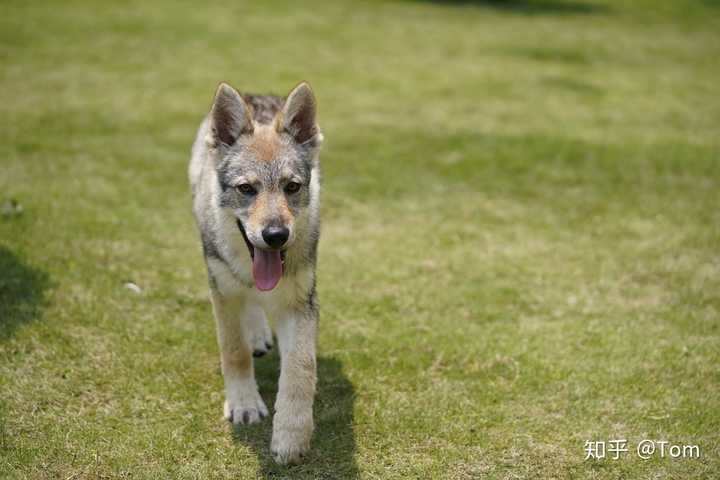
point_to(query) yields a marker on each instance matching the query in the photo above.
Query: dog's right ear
(230, 117)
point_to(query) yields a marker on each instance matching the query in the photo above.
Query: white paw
(244, 406)
(259, 332)
(291, 439)
(261, 341)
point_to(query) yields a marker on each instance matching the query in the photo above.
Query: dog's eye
(246, 189)
(292, 187)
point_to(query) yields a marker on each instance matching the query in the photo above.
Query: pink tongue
(267, 269)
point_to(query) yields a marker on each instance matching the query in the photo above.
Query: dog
(255, 181)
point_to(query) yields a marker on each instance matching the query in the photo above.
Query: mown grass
(520, 250)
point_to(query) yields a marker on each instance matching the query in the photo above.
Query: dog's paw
(261, 339)
(290, 442)
(260, 334)
(246, 408)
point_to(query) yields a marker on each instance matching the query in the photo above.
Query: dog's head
(265, 171)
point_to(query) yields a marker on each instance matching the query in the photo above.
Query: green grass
(521, 245)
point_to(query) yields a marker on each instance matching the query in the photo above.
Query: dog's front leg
(243, 403)
(293, 422)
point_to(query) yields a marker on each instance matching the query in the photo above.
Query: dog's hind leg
(258, 330)
(243, 403)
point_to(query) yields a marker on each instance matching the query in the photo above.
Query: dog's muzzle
(268, 266)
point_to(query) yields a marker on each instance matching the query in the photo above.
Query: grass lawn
(520, 251)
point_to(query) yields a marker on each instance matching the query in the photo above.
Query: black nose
(275, 237)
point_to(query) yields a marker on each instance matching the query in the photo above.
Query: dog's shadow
(22, 292)
(332, 452)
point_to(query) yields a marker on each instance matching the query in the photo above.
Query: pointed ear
(230, 116)
(298, 114)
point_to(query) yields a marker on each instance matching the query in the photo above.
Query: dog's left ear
(298, 115)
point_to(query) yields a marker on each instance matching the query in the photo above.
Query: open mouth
(268, 265)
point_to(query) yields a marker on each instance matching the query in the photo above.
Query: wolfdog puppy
(255, 180)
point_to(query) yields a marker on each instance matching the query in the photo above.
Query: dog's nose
(275, 237)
